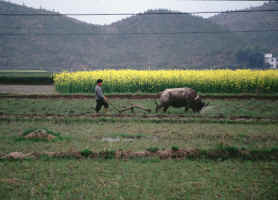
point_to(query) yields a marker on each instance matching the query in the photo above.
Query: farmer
(100, 98)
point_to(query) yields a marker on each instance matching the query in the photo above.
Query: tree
(251, 57)
(256, 60)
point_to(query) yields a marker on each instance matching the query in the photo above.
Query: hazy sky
(130, 6)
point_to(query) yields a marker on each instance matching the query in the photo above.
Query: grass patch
(86, 153)
(138, 179)
(175, 148)
(228, 148)
(153, 149)
(107, 154)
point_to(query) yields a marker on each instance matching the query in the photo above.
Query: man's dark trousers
(100, 103)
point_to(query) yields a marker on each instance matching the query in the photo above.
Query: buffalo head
(198, 104)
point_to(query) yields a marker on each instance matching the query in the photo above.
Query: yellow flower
(155, 81)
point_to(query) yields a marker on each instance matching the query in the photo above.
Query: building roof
(268, 55)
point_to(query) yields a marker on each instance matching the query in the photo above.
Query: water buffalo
(180, 97)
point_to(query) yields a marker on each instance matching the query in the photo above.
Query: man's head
(99, 82)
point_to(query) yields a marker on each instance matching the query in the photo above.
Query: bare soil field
(129, 96)
(84, 108)
(49, 92)
(27, 89)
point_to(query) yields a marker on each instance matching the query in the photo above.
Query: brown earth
(161, 154)
(17, 156)
(130, 96)
(48, 91)
(40, 134)
(27, 89)
(139, 116)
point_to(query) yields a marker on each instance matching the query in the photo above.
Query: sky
(131, 6)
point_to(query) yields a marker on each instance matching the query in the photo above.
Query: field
(225, 126)
(86, 179)
(218, 108)
(98, 135)
(206, 81)
(227, 151)
(144, 178)
(16, 89)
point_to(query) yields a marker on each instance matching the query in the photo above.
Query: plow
(130, 107)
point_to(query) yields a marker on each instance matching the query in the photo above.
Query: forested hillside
(266, 41)
(58, 43)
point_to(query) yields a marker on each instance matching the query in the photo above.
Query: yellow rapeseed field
(222, 81)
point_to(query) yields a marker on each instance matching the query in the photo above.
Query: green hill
(48, 52)
(70, 52)
(267, 41)
(170, 50)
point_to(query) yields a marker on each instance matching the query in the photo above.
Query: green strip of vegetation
(26, 77)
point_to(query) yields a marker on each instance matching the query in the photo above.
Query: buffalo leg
(165, 108)
(158, 107)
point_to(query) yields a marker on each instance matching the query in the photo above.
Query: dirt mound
(41, 134)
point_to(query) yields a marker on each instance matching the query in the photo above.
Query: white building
(272, 61)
